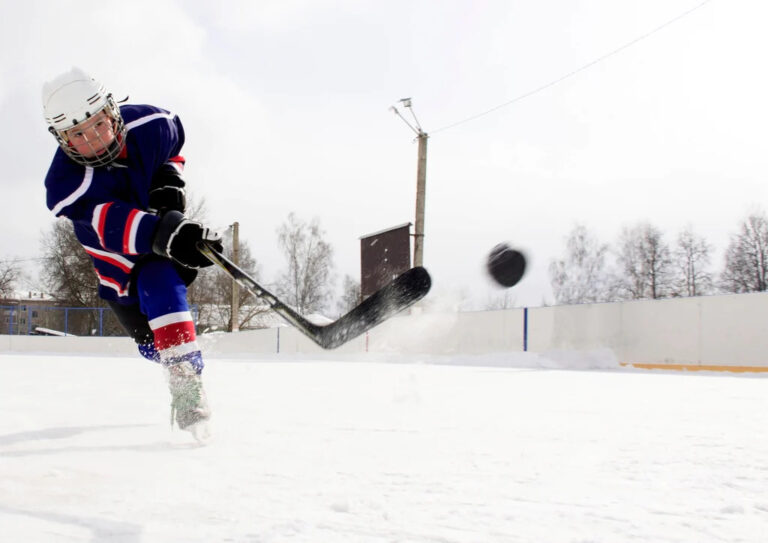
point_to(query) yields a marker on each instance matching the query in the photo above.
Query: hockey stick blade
(402, 292)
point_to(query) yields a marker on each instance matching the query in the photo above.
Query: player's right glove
(176, 237)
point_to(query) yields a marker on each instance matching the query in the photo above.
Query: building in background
(383, 256)
(24, 312)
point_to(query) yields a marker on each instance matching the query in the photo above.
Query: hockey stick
(403, 291)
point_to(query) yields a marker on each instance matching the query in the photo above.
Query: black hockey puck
(506, 265)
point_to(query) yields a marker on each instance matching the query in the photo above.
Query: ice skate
(189, 405)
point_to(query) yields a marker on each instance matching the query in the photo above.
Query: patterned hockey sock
(175, 340)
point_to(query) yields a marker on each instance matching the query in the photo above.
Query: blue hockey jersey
(108, 204)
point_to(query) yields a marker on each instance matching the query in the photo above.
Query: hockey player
(117, 176)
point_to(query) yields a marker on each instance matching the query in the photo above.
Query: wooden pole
(421, 187)
(235, 306)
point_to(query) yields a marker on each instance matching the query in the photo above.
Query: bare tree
(307, 281)
(197, 208)
(581, 277)
(691, 257)
(10, 273)
(212, 292)
(646, 265)
(746, 259)
(68, 273)
(68, 276)
(351, 295)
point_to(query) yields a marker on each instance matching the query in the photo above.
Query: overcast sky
(286, 108)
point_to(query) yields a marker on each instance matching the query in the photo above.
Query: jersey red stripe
(102, 222)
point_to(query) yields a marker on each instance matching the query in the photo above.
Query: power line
(18, 260)
(577, 70)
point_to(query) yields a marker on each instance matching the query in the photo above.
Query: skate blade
(201, 431)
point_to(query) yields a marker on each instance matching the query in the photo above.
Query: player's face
(93, 136)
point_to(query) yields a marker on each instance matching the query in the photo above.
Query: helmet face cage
(111, 151)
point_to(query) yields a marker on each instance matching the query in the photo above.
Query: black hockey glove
(176, 237)
(167, 192)
(164, 199)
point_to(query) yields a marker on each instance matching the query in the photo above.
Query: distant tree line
(645, 265)
(641, 264)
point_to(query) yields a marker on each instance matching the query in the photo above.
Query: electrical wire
(577, 70)
(31, 259)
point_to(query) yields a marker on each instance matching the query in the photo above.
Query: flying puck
(506, 265)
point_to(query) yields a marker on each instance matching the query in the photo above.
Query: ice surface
(326, 451)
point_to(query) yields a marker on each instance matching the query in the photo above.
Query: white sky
(285, 106)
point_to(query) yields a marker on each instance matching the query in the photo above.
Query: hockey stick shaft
(248, 283)
(402, 292)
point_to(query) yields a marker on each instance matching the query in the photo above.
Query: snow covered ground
(339, 450)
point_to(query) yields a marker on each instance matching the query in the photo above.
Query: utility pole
(421, 182)
(234, 325)
(421, 189)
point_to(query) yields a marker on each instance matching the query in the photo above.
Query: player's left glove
(176, 237)
(167, 192)
(167, 198)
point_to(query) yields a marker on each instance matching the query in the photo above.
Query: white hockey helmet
(72, 98)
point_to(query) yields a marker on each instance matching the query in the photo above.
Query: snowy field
(326, 451)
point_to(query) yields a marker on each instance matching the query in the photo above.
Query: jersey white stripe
(110, 256)
(144, 120)
(98, 211)
(170, 318)
(116, 288)
(72, 198)
(134, 228)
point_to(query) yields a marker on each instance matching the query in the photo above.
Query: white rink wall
(711, 332)
(708, 331)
